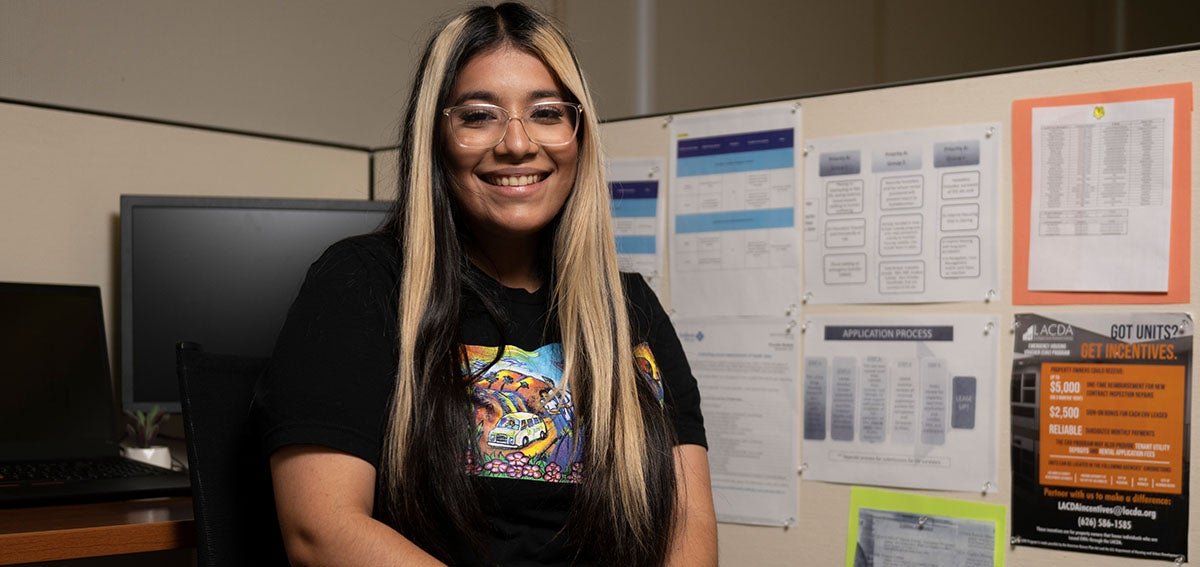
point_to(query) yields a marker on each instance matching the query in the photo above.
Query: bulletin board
(819, 535)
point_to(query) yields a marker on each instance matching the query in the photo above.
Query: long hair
(624, 509)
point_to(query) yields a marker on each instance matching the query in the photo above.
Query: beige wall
(312, 69)
(339, 71)
(605, 36)
(711, 55)
(944, 37)
(386, 175)
(820, 537)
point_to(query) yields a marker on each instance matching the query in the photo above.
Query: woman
(476, 383)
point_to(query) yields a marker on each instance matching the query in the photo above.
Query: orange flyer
(1112, 426)
(1088, 201)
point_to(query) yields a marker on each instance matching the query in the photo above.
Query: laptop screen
(56, 396)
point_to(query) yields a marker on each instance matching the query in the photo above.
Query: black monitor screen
(216, 271)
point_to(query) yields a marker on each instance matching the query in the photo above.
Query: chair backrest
(231, 484)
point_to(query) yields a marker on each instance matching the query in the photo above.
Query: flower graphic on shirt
(576, 472)
(553, 473)
(517, 459)
(496, 466)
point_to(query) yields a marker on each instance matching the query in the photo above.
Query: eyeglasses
(484, 125)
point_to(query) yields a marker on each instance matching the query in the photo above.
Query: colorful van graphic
(516, 430)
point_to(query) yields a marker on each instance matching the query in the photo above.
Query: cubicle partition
(64, 172)
(821, 527)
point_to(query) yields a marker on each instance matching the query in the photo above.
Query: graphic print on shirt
(648, 369)
(525, 425)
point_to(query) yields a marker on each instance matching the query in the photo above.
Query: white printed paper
(639, 224)
(734, 240)
(902, 217)
(901, 401)
(747, 371)
(1100, 208)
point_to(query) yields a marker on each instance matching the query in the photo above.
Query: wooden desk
(51, 533)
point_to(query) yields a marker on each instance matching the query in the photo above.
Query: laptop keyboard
(76, 470)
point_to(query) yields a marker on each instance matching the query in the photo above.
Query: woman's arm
(324, 499)
(695, 540)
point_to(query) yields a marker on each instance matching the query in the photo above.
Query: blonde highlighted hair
(627, 497)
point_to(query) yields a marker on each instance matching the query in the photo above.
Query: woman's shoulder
(633, 281)
(637, 291)
(372, 249)
(645, 310)
(377, 244)
(358, 260)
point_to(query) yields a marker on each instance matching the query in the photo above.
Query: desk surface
(50, 533)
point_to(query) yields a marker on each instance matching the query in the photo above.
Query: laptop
(58, 415)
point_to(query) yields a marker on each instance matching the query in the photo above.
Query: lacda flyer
(1100, 443)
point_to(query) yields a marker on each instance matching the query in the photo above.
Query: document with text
(639, 222)
(1100, 208)
(902, 217)
(901, 401)
(735, 246)
(747, 370)
(894, 528)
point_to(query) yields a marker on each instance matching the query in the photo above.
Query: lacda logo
(1049, 331)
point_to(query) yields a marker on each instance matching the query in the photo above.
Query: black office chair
(231, 483)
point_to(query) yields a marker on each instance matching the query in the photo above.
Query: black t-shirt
(333, 372)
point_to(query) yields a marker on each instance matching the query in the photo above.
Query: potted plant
(141, 431)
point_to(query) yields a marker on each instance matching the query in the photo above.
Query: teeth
(515, 181)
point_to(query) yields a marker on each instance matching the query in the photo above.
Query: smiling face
(514, 189)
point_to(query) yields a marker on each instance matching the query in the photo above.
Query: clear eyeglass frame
(506, 117)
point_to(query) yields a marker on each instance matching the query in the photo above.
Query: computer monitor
(221, 272)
